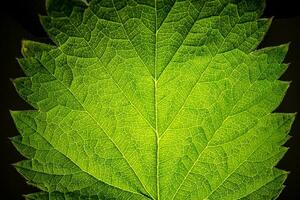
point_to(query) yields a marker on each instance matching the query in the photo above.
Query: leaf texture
(153, 99)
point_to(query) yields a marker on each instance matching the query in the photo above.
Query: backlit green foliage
(153, 99)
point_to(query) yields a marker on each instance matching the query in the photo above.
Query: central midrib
(155, 106)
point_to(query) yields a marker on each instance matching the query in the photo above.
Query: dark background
(19, 20)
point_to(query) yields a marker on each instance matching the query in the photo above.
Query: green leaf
(153, 99)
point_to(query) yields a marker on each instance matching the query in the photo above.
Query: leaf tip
(286, 46)
(24, 47)
(285, 172)
(12, 80)
(271, 20)
(15, 165)
(14, 113)
(295, 114)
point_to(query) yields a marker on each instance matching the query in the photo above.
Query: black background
(19, 20)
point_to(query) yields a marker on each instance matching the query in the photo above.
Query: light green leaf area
(153, 99)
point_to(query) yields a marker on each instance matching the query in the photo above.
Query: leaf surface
(153, 99)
